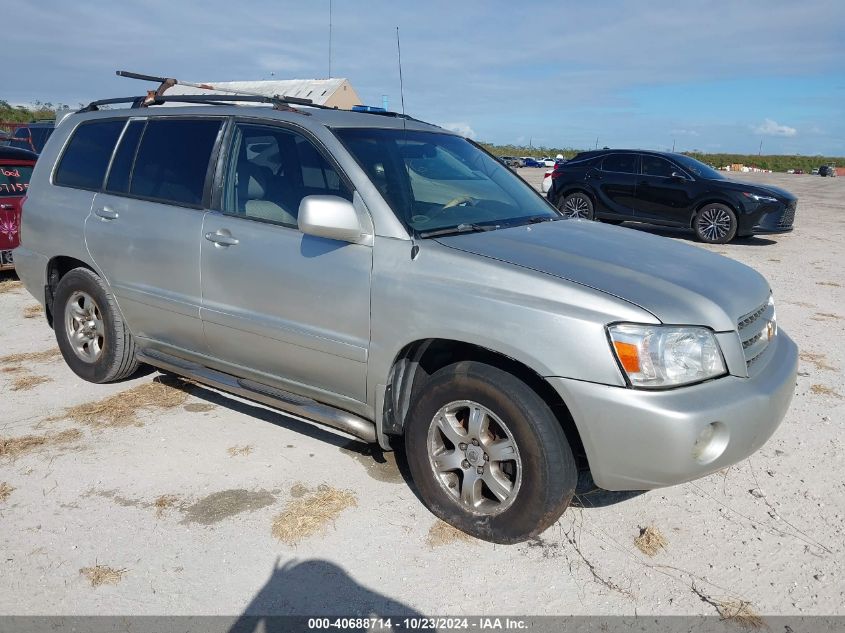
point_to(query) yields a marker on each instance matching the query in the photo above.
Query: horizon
(706, 77)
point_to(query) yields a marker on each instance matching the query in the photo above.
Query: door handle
(107, 213)
(222, 239)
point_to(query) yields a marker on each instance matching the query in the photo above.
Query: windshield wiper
(457, 230)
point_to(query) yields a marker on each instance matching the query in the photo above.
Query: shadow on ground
(689, 236)
(313, 588)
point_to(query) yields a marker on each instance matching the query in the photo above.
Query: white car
(548, 161)
(547, 180)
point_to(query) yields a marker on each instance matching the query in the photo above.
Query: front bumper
(770, 218)
(638, 439)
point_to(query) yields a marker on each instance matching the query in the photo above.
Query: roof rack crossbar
(141, 102)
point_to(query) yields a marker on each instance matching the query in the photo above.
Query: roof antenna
(401, 87)
(330, 39)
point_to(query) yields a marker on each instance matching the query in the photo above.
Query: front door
(145, 229)
(293, 308)
(662, 197)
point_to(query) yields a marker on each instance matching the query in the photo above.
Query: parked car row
(30, 136)
(530, 161)
(828, 171)
(668, 189)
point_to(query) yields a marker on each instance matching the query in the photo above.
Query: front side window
(14, 179)
(172, 160)
(620, 163)
(83, 164)
(270, 171)
(437, 182)
(656, 166)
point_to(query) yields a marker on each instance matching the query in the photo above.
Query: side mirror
(332, 217)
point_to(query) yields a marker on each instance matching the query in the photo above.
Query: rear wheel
(90, 331)
(577, 205)
(715, 224)
(487, 455)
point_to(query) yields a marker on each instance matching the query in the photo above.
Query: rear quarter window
(86, 157)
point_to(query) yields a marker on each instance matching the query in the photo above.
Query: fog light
(711, 443)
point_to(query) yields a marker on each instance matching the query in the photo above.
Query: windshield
(14, 179)
(436, 182)
(698, 168)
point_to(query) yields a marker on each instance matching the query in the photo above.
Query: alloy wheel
(576, 207)
(714, 223)
(84, 326)
(474, 457)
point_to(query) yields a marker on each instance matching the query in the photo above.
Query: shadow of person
(313, 588)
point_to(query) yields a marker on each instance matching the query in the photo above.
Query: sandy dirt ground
(174, 499)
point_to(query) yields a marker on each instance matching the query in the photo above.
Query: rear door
(14, 182)
(661, 197)
(615, 182)
(293, 308)
(145, 228)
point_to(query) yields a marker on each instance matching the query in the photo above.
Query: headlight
(655, 356)
(756, 197)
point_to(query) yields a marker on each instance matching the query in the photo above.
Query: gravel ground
(200, 503)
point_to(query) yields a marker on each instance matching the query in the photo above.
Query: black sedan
(671, 190)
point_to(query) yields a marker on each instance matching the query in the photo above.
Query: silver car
(392, 280)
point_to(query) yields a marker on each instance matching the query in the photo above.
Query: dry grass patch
(164, 503)
(819, 360)
(832, 284)
(5, 491)
(7, 285)
(31, 357)
(739, 612)
(102, 575)
(650, 541)
(234, 451)
(28, 381)
(12, 369)
(824, 390)
(121, 409)
(441, 533)
(15, 446)
(310, 514)
(33, 312)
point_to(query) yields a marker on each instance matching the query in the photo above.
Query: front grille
(788, 216)
(754, 332)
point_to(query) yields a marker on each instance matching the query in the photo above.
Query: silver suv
(390, 279)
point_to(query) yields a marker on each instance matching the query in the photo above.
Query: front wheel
(487, 455)
(577, 205)
(715, 224)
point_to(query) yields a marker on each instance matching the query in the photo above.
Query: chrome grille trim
(753, 332)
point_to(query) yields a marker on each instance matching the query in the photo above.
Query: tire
(535, 476)
(577, 205)
(93, 339)
(715, 224)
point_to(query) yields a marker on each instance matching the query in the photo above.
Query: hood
(677, 283)
(770, 190)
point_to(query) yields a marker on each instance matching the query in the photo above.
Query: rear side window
(622, 163)
(83, 165)
(172, 160)
(121, 166)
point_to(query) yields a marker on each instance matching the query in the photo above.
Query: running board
(265, 394)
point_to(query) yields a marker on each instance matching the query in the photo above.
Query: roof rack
(280, 103)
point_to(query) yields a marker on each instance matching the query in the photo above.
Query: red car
(15, 170)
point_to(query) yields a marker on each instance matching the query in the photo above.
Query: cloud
(682, 132)
(773, 128)
(461, 127)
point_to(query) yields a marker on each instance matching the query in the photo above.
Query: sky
(696, 75)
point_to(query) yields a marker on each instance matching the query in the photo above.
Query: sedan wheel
(577, 206)
(715, 224)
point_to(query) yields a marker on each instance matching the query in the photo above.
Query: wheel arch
(420, 359)
(58, 267)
